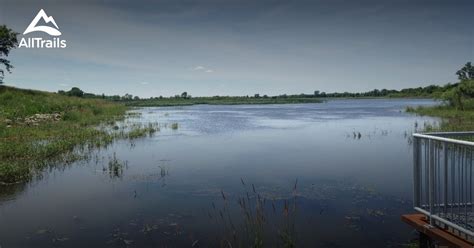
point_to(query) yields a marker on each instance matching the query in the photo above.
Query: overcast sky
(230, 47)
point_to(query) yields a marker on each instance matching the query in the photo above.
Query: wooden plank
(418, 221)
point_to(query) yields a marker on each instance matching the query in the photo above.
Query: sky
(231, 47)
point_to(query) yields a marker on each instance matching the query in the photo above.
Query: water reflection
(227, 175)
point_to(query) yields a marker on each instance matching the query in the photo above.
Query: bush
(460, 96)
(75, 92)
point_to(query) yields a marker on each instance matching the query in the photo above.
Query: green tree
(466, 73)
(75, 92)
(184, 94)
(453, 97)
(127, 96)
(8, 41)
(462, 94)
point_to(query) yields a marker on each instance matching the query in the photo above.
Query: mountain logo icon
(47, 19)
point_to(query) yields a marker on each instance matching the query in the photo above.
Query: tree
(461, 95)
(466, 73)
(184, 94)
(127, 97)
(75, 92)
(8, 40)
(453, 97)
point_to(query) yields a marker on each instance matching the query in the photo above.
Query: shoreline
(191, 102)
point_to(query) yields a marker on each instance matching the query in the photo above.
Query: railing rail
(443, 179)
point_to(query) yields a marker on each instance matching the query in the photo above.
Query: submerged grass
(263, 222)
(138, 131)
(29, 142)
(115, 167)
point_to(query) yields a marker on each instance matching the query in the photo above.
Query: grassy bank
(38, 129)
(457, 110)
(218, 101)
(452, 119)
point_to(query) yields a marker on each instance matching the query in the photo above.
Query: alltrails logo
(39, 42)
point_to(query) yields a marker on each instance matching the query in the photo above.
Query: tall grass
(263, 222)
(24, 148)
(453, 119)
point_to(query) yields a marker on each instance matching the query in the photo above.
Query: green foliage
(452, 119)
(430, 91)
(458, 113)
(75, 92)
(8, 41)
(461, 96)
(216, 100)
(466, 72)
(26, 146)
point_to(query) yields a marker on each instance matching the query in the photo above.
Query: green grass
(219, 101)
(452, 119)
(25, 148)
(137, 131)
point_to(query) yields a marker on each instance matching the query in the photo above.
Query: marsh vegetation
(456, 110)
(221, 178)
(40, 129)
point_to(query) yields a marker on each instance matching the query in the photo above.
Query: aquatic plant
(138, 131)
(174, 126)
(115, 167)
(257, 213)
(59, 125)
(41, 129)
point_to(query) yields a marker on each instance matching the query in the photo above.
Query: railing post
(416, 172)
(431, 178)
(445, 158)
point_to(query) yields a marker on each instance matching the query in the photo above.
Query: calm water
(350, 190)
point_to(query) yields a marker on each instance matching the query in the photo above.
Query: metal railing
(443, 180)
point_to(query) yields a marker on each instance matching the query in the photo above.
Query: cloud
(63, 85)
(202, 68)
(144, 83)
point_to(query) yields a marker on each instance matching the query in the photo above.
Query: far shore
(169, 102)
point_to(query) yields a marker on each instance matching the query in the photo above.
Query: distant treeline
(434, 91)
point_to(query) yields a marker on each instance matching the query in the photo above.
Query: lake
(334, 174)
